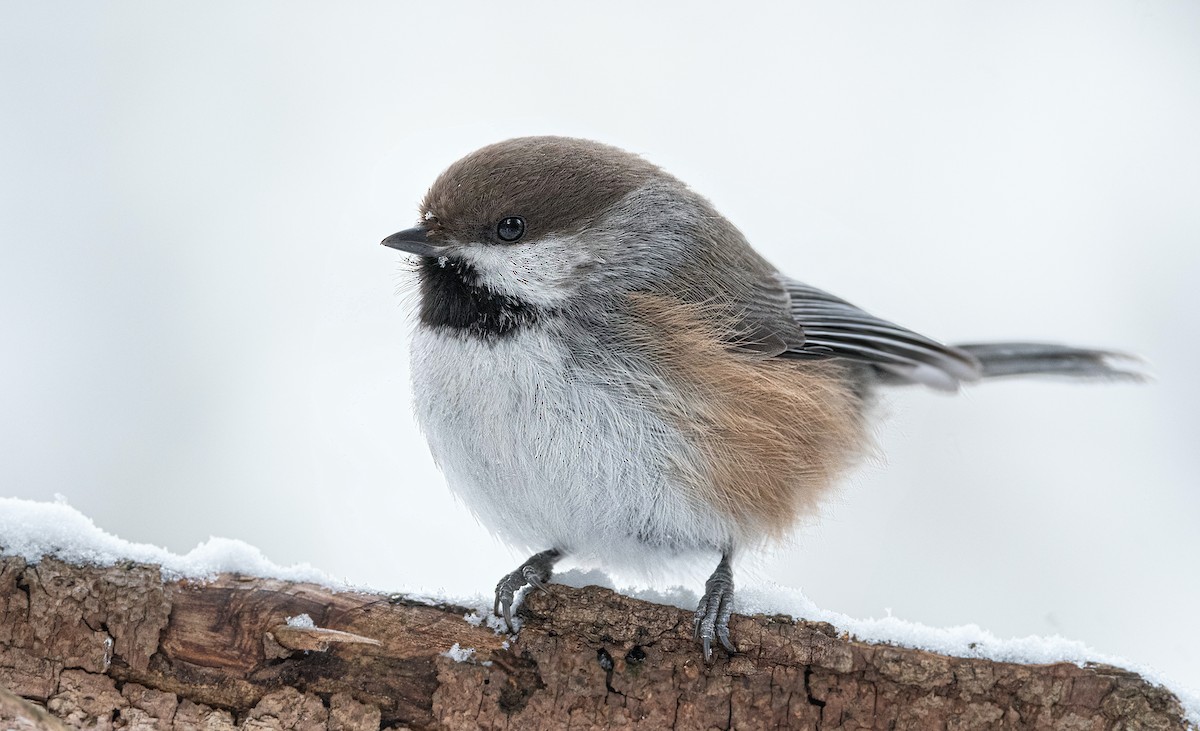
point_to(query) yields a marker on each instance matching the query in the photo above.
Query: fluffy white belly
(551, 456)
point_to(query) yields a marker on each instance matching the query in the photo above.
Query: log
(122, 647)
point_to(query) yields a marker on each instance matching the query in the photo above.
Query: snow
(460, 654)
(34, 530)
(301, 620)
(481, 615)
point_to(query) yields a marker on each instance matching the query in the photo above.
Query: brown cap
(558, 185)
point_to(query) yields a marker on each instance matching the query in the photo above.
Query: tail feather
(1021, 359)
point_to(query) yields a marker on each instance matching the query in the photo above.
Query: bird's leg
(712, 616)
(535, 571)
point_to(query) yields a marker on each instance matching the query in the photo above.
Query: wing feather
(835, 328)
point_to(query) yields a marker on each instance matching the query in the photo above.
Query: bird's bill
(414, 241)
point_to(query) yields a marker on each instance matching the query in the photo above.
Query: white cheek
(539, 272)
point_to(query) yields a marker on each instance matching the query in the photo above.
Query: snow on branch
(101, 638)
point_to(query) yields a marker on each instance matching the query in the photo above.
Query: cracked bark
(119, 647)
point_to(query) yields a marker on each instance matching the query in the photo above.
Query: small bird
(605, 368)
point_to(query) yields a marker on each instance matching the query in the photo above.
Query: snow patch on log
(34, 530)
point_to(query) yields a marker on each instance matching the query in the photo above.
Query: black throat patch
(452, 297)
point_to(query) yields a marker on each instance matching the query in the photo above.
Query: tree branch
(118, 647)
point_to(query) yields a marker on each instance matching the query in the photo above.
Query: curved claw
(506, 589)
(535, 572)
(508, 617)
(715, 609)
(533, 579)
(723, 636)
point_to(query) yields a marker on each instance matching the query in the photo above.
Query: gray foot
(712, 616)
(535, 571)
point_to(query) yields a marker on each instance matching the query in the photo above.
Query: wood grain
(119, 647)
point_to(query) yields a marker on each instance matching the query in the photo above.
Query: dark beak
(414, 241)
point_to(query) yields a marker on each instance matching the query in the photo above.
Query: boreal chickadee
(605, 368)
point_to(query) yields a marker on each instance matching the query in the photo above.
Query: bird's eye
(511, 228)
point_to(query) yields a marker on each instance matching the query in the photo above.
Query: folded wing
(835, 328)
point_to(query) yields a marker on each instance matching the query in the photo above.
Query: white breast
(552, 454)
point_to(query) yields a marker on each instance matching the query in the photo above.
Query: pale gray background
(201, 334)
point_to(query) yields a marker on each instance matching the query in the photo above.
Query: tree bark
(119, 647)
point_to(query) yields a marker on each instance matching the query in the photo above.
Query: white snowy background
(201, 335)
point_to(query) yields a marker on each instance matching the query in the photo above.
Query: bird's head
(544, 219)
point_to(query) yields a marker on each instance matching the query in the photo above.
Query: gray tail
(1023, 359)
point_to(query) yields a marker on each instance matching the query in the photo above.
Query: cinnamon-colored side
(775, 434)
